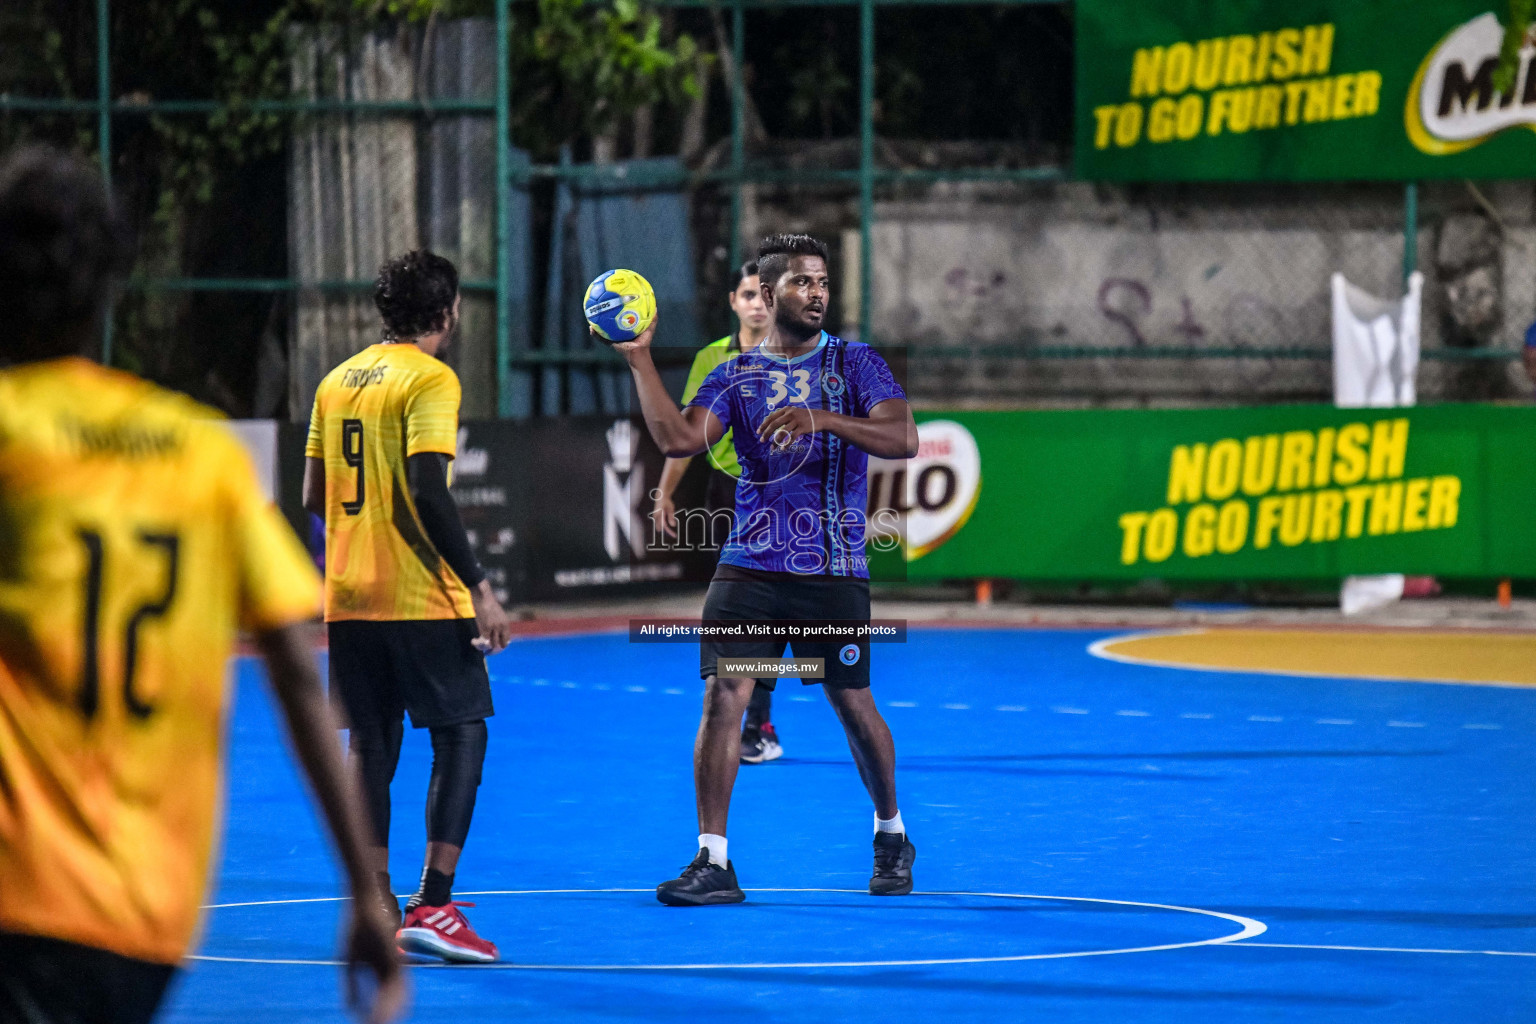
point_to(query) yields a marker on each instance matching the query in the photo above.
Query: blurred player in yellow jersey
(409, 611)
(134, 541)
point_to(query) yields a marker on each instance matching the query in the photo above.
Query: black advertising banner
(592, 480)
(491, 487)
(560, 508)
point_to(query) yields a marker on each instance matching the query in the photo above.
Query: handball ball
(620, 305)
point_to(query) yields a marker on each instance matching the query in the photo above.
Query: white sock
(889, 824)
(716, 847)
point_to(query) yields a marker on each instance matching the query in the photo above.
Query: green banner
(1278, 492)
(1297, 90)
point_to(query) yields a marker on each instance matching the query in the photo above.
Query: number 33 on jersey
(779, 387)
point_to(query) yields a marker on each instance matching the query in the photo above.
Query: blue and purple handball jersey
(799, 508)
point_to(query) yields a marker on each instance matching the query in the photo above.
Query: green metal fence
(739, 172)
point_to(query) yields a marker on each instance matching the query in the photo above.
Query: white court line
(1382, 949)
(1250, 928)
(1128, 713)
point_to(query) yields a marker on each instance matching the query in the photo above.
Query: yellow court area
(1504, 659)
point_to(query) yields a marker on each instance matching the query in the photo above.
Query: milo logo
(1452, 105)
(927, 499)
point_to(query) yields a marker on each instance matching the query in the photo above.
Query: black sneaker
(703, 884)
(894, 854)
(760, 743)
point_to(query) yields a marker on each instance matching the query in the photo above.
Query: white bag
(1375, 366)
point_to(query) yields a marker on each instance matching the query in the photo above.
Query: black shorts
(49, 981)
(430, 668)
(742, 595)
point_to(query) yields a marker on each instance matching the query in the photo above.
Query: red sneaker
(444, 932)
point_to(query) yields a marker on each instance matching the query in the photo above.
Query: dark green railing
(739, 171)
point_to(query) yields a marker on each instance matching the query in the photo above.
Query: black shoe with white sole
(702, 884)
(760, 744)
(894, 854)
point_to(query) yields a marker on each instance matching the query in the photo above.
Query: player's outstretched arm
(889, 432)
(677, 432)
(370, 935)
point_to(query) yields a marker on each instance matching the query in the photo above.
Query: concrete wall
(1208, 267)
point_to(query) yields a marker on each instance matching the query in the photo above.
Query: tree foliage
(1516, 27)
(579, 68)
(184, 179)
(585, 67)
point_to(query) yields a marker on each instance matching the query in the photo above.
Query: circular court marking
(1248, 929)
(1401, 655)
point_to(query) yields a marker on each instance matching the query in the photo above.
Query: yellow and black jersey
(374, 411)
(134, 539)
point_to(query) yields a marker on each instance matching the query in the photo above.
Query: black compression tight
(458, 752)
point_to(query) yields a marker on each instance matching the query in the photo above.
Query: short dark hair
(774, 254)
(61, 245)
(746, 270)
(415, 294)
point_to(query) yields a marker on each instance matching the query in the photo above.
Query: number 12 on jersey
(95, 574)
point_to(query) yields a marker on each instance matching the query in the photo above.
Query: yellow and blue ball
(619, 305)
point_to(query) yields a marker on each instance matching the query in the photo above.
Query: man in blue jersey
(806, 410)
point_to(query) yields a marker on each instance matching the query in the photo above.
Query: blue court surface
(1097, 841)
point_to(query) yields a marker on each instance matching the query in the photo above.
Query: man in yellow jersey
(134, 539)
(409, 610)
(759, 738)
